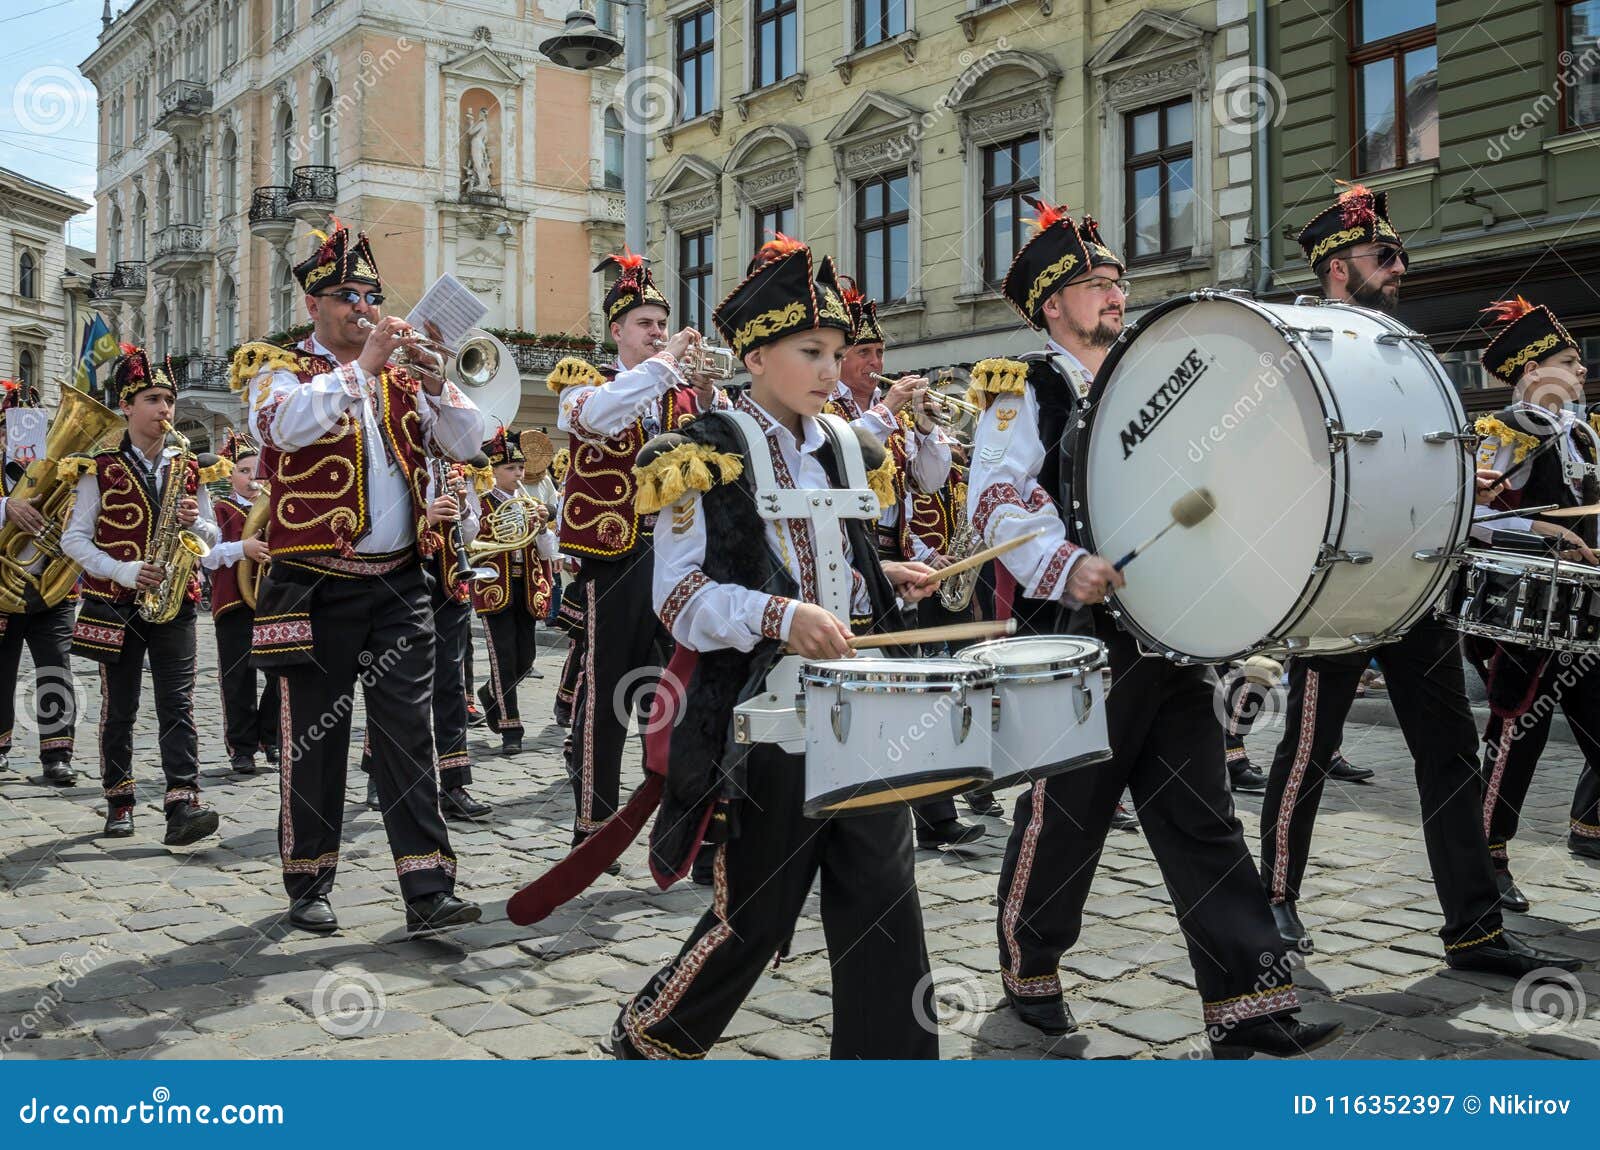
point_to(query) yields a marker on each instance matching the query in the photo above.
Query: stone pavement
(121, 948)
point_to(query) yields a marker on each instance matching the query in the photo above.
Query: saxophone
(173, 548)
(955, 593)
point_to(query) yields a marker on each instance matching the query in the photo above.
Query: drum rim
(1034, 774)
(1482, 559)
(816, 807)
(954, 676)
(1091, 658)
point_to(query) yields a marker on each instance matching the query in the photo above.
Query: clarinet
(458, 544)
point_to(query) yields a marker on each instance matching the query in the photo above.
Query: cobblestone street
(122, 948)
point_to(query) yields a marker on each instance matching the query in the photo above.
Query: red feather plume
(629, 261)
(1508, 310)
(777, 247)
(1045, 215)
(848, 291)
(1355, 204)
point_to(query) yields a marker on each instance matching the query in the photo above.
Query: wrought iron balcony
(205, 373)
(180, 246)
(128, 280)
(100, 288)
(270, 217)
(313, 192)
(182, 104)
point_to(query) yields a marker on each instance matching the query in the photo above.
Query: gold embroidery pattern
(317, 275)
(769, 322)
(618, 304)
(1535, 349)
(1004, 416)
(1336, 240)
(683, 518)
(1043, 281)
(833, 308)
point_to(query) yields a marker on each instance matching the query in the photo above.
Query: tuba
(249, 572)
(81, 422)
(173, 548)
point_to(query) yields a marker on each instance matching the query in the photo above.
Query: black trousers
(1515, 742)
(567, 689)
(452, 639)
(248, 721)
(512, 643)
(48, 637)
(624, 649)
(378, 633)
(172, 670)
(1166, 745)
(1428, 692)
(871, 917)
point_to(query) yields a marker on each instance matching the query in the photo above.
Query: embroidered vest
(128, 512)
(933, 517)
(1547, 483)
(492, 596)
(225, 580)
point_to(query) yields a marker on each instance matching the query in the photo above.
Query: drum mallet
(1189, 510)
(979, 558)
(950, 633)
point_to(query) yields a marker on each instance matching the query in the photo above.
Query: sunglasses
(353, 297)
(1385, 257)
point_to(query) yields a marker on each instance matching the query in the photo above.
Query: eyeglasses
(1104, 284)
(353, 297)
(1385, 256)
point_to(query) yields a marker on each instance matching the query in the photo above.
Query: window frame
(1133, 162)
(994, 263)
(26, 374)
(862, 227)
(1564, 110)
(1395, 47)
(27, 275)
(781, 8)
(858, 32)
(607, 136)
(761, 213)
(703, 48)
(688, 313)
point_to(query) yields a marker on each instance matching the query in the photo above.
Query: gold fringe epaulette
(908, 421)
(482, 478)
(73, 467)
(218, 469)
(254, 358)
(881, 480)
(570, 371)
(559, 465)
(1520, 441)
(993, 377)
(672, 474)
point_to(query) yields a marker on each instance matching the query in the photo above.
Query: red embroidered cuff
(772, 617)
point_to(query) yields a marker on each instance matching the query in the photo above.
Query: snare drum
(880, 732)
(1533, 600)
(1049, 703)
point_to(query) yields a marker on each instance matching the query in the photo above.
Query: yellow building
(901, 136)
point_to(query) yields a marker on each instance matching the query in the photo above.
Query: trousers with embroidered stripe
(249, 721)
(511, 638)
(1427, 688)
(47, 634)
(871, 920)
(1166, 745)
(171, 648)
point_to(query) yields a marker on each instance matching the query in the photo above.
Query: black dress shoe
(1511, 896)
(1247, 779)
(119, 823)
(457, 804)
(272, 756)
(475, 715)
(244, 764)
(1584, 848)
(1509, 955)
(61, 774)
(313, 914)
(5, 763)
(1122, 819)
(949, 833)
(1281, 1037)
(438, 912)
(1291, 929)
(1047, 1014)
(509, 746)
(563, 716)
(373, 802)
(1345, 771)
(984, 803)
(188, 823)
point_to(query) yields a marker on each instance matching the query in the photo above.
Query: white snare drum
(1332, 441)
(880, 732)
(1049, 703)
(1534, 600)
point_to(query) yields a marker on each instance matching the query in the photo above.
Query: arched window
(27, 369)
(227, 314)
(283, 298)
(613, 151)
(27, 277)
(141, 224)
(324, 125)
(230, 174)
(163, 337)
(163, 200)
(114, 241)
(284, 149)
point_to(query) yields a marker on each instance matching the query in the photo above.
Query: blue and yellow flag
(99, 346)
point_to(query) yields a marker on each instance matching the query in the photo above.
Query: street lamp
(583, 45)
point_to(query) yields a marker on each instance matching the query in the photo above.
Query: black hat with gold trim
(1059, 251)
(16, 394)
(1358, 216)
(1531, 333)
(237, 445)
(338, 260)
(863, 313)
(504, 446)
(135, 373)
(781, 296)
(634, 286)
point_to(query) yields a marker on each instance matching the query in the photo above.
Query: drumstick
(951, 632)
(1567, 512)
(979, 558)
(1192, 508)
(1546, 509)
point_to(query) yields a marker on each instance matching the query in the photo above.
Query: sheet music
(451, 305)
(26, 429)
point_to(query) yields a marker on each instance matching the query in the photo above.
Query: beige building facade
(44, 284)
(901, 136)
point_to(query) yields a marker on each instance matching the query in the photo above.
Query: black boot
(313, 914)
(119, 823)
(1291, 929)
(948, 833)
(511, 744)
(1246, 779)
(373, 802)
(272, 756)
(244, 764)
(1584, 848)
(1049, 1014)
(1508, 955)
(1122, 819)
(1511, 896)
(983, 803)
(439, 912)
(1283, 1036)
(189, 823)
(61, 774)
(456, 803)
(1343, 770)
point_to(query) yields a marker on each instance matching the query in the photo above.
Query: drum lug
(1082, 701)
(839, 717)
(1341, 438)
(1332, 555)
(1317, 334)
(1296, 643)
(1396, 338)
(1363, 639)
(1308, 301)
(741, 728)
(994, 712)
(1433, 555)
(961, 720)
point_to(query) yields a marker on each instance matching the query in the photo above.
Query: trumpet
(415, 341)
(706, 360)
(956, 415)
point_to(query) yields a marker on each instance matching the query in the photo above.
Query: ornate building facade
(44, 283)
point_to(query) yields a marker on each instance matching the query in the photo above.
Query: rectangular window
(230, 36)
(879, 20)
(777, 218)
(283, 24)
(696, 63)
(883, 236)
(1394, 67)
(696, 277)
(1010, 172)
(1159, 181)
(1578, 62)
(776, 50)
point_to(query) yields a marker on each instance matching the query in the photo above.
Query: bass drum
(1333, 445)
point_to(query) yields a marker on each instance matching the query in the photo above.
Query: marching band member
(248, 723)
(1166, 740)
(111, 535)
(346, 435)
(732, 587)
(610, 415)
(1536, 355)
(45, 631)
(516, 599)
(1359, 257)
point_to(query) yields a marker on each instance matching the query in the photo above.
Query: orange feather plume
(1355, 204)
(777, 247)
(1044, 215)
(1508, 310)
(848, 291)
(629, 261)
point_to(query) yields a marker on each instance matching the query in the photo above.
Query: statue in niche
(478, 173)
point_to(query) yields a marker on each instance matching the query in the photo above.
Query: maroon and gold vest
(597, 512)
(128, 514)
(934, 517)
(225, 580)
(319, 492)
(490, 597)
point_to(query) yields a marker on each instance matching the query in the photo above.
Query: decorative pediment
(878, 132)
(690, 192)
(873, 112)
(768, 164)
(1148, 37)
(1005, 94)
(775, 142)
(483, 65)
